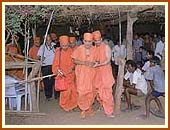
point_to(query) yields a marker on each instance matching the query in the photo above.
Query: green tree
(17, 17)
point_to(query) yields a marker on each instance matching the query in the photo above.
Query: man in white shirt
(118, 50)
(160, 46)
(146, 66)
(46, 54)
(136, 44)
(138, 84)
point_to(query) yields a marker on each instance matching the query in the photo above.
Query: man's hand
(60, 73)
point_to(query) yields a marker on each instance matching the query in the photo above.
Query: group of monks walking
(88, 71)
(86, 68)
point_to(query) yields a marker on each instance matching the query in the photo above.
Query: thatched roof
(99, 13)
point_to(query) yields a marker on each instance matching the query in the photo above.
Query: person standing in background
(46, 54)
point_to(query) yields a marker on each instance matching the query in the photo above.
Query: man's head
(97, 37)
(154, 61)
(136, 36)
(149, 54)
(141, 48)
(126, 64)
(72, 41)
(36, 41)
(64, 42)
(53, 36)
(131, 66)
(88, 40)
(48, 40)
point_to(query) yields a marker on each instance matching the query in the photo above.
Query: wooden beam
(20, 56)
(17, 65)
(10, 113)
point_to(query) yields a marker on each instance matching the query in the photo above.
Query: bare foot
(90, 112)
(83, 114)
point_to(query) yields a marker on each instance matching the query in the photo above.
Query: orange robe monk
(84, 59)
(72, 42)
(104, 78)
(68, 98)
(12, 48)
(34, 49)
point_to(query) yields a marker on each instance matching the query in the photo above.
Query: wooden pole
(31, 80)
(119, 85)
(33, 73)
(129, 34)
(120, 30)
(20, 56)
(38, 89)
(25, 54)
(45, 38)
(26, 71)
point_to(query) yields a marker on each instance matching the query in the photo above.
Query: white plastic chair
(14, 93)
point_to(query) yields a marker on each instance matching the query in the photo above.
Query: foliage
(17, 15)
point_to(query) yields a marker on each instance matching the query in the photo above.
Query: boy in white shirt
(157, 81)
(138, 84)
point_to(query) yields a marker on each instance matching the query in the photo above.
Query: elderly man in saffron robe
(68, 98)
(84, 58)
(73, 41)
(104, 79)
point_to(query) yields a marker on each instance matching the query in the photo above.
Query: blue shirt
(49, 53)
(157, 75)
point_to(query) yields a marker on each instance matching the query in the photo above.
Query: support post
(129, 35)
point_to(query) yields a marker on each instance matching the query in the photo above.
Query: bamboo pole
(45, 38)
(42, 57)
(33, 73)
(120, 29)
(26, 70)
(30, 80)
(38, 89)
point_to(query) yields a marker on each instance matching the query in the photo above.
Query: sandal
(83, 114)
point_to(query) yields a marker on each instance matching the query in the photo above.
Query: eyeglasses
(85, 41)
(64, 45)
(97, 41)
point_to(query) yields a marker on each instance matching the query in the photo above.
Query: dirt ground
(56, 116)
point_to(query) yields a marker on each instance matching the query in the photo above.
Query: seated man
(157, 83)
(137, 84)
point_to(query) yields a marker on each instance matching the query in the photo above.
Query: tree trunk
(33, 73)
(119, 85)
(129, 35)
(7, 38)
(34, 31)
